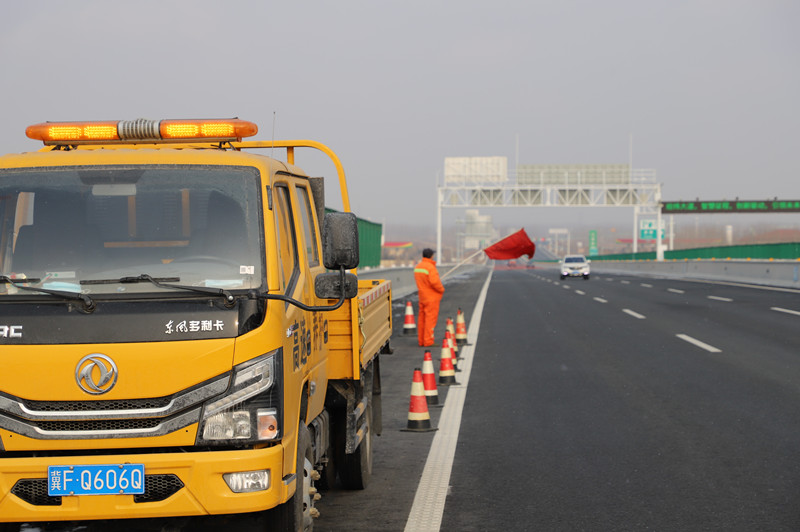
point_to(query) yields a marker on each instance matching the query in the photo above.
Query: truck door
(293, 283)
(313, 263)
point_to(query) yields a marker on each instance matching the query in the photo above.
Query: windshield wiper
(88, 304)
(160, 282)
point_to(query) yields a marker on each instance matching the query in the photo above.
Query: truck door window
(310, 234)
(287, 240)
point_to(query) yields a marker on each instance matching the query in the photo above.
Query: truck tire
(355, 469)
(296, 513)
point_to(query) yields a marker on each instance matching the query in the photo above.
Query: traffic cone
(419, 420)
(409, 325)
(447, 373)
(429, 380)
(452, 330)
(450, 327)
(450, 342)
(461, 328)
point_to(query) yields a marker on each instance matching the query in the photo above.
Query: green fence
(782, 251)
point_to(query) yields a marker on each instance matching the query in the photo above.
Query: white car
(575, 266)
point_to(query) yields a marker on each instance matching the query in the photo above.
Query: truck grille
(34, 491)
(156, 488)
(92, 406)
(100, 425)
(159, 487)
(101, 419)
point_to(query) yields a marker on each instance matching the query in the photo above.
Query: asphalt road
(586, 411)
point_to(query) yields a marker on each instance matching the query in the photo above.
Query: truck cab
(166, 317)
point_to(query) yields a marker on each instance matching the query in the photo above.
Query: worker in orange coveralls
(430, 294)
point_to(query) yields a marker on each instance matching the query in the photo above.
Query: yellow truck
(182, 333)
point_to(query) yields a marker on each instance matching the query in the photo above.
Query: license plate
(110, 479)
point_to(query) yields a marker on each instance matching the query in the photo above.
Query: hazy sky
(708, 90)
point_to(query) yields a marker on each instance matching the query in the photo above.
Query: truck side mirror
(329, 285)
(340, 241)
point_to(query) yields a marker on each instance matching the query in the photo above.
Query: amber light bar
(141, 130)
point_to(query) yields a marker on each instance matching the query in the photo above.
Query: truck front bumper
(176, 484)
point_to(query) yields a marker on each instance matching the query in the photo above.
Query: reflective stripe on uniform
(421, 270)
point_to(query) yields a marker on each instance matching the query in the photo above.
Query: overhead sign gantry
(471, 182)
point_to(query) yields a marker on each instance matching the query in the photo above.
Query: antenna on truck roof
(274, 119)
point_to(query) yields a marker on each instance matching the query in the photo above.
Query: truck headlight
(240, 415)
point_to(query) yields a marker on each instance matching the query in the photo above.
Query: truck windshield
(196, 225)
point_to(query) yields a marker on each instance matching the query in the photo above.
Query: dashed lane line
(600, 300)
(698, 343)
(720, 298)
(633, 313)
(676, 291)
(785, 310)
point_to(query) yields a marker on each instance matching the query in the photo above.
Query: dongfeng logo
(96, 374)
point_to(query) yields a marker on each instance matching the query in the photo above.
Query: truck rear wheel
(296, 513)
(355, 469)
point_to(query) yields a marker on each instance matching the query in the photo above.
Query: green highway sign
(710, 207)
(647, 230)
(593, 242)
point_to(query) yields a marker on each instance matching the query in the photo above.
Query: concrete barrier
(402, 279)
(763, 272)
(403, 284)
(784, 274)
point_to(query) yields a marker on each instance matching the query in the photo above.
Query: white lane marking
(698, 343)
(675, 291)
(565, 286)
(718, 298)
(428, 508)
(600, 300)
(580, 292)
(625, 282)
(632, 313)
(647, 285)
(786, 310)
(609, 279)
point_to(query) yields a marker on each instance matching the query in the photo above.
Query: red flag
(512, 247)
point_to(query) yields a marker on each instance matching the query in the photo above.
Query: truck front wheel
(296, 514)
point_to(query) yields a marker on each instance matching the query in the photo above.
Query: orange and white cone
(450, 343)
(409, 325)
(461, 328)
(419, 420)
(450, 327)
(447, 373)
(429, 380)
(452, 330)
